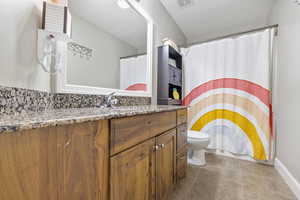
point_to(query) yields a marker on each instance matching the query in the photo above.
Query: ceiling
(207, 19)
(124, 24)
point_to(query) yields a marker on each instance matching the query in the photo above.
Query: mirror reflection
(109, 48)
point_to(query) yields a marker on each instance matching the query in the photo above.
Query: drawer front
(162, 122)
(181, 136)
(181, 116)
(129, 131)
(181, 164)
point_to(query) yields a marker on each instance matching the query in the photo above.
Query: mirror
(109, 49)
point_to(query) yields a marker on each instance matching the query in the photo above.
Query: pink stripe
(247, 86)
(138, 87)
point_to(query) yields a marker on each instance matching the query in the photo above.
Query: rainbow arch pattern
(137, 87)
(246, 104)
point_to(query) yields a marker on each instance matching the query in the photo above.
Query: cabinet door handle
(182, 158)
(156, 148)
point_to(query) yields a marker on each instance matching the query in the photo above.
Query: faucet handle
(114, 102)
(111, 94)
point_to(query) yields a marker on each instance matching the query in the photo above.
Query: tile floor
(225, 178)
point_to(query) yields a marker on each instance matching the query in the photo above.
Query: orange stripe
(242, 102)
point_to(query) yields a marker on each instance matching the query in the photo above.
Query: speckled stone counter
(19, 101)
(55, 117)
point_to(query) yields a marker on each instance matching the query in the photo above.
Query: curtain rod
(137, 55)
(233, 35)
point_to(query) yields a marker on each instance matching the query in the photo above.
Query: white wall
(164, 26)
(287, 15)
(19, 21)
(103, 69)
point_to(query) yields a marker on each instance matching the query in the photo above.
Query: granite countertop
(25, 121)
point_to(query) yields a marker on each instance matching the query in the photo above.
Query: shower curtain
(133, 73)
(228, 90)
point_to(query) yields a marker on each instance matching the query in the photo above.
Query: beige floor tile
(229, 190)
(258, 169)
(230, 179)
(222, 162)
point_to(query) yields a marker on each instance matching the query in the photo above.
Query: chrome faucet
(110, 101)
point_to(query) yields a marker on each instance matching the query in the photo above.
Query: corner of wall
(288, 177)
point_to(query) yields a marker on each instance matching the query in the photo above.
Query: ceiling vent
(297, 1)
(186, 3)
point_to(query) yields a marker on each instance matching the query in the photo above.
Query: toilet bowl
(197, 142)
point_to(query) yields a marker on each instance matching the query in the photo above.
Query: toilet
(197, 142)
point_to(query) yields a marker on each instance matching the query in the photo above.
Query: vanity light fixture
(123, 4)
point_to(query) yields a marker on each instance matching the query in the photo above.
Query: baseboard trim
(288, 177)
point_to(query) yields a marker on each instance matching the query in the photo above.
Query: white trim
(288, 177)
(60, 84)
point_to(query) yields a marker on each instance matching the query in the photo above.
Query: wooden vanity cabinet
(132, 158)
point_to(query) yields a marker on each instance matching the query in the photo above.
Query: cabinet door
(132, 175)
(165, 164)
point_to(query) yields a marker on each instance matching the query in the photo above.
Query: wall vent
(296, 1)
(186, 3)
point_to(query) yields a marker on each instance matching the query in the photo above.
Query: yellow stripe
(262, 119)
(241, 121)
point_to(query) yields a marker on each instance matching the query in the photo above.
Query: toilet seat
(196, 135)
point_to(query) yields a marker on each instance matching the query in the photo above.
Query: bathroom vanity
(93, 154)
